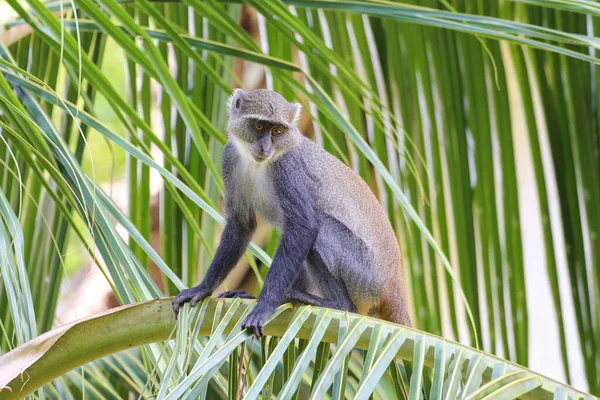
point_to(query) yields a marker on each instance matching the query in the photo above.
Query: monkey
(337, 248)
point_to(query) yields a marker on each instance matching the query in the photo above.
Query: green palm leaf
(55, 353)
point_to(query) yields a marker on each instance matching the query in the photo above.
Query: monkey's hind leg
(233, 294)
(343, 303)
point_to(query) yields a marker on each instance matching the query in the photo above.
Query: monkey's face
(262, 123)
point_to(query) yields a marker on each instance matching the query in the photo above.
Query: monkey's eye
(259, 127)
(277, 131)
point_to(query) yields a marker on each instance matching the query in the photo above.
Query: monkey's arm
(234, 242)
(293, 248)
(298, 237)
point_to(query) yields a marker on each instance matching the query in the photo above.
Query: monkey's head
(262, 123)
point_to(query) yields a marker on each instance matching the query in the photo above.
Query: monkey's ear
(293, 114)
(234, 100)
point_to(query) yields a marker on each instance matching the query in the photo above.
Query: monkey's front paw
(255, 321)
(193, 296)
(233, 294)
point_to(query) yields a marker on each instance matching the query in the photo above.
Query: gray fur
(337, 249)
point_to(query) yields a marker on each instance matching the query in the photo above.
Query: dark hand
(255, 321)
(193, 296)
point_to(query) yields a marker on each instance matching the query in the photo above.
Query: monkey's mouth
(261, 157)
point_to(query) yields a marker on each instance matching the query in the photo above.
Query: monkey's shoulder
(230, 158)
(332, 173)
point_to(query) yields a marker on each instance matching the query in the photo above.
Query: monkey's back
(342, 195)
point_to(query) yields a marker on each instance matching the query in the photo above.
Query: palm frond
(470, 373)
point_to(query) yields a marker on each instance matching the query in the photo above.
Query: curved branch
(61, 350)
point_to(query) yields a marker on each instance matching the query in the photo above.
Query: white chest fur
(254, 187)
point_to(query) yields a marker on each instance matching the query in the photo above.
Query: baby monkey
(337, 247)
